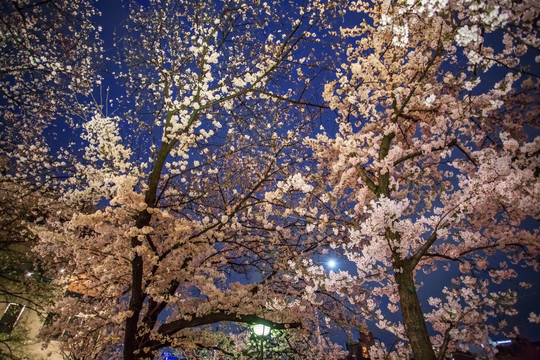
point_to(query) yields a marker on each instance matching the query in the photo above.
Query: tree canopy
(190, 175)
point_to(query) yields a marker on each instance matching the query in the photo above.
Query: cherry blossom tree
(183, 209)
(46, 49)
(49, 53)
(183, 243)
(434, 167)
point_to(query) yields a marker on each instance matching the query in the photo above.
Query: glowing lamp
(261, 330)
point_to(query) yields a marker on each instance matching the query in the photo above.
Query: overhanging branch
(177, 325)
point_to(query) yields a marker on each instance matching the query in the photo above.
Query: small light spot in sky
(332, 263)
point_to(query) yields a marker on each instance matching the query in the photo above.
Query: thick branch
(219, 316)
(363, 174)
(384, 179)
(416, 258)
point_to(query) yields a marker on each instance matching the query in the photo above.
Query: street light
(261, 331)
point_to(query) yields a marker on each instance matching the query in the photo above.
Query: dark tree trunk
(131, 340)
(135, 306)
(413, 317)
(137, 295)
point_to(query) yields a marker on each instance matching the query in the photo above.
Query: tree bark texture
(137, 294)
(413, 317)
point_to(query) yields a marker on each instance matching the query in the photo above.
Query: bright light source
(62, 270)
(332, 263)
(28, 274)
(501, 342)
(261, 330)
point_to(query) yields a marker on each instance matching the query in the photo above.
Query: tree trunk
(137, 295)
(135, 306)
(131, 343)
(413, 317)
